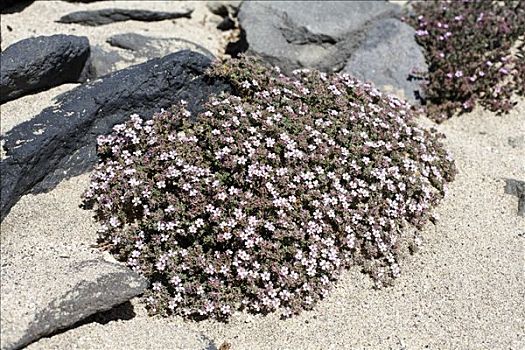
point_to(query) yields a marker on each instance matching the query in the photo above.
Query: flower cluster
(468, 48)
(261, 199)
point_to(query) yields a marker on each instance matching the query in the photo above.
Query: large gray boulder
(36, 64)
(388, 56)
(60, 142)
(332, 36)
(44, 293)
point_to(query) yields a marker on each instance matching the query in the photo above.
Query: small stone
(517, 188)
(107, 16)
(218, 8)
(224, 8)
(226, 24)
(517, 141)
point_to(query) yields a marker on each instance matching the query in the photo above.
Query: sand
(38, 19)
(465, 288)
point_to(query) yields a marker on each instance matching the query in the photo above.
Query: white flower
(156, 286)
(134, 182)
(114, 221)
(265, 276)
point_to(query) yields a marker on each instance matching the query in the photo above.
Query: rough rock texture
(517, 188)
(146, 47)
(330, 36)
(306, 34)
(387, 57)
(60, 141)
(12, 6)
(76, 290)
(106, 16)
(39, 63)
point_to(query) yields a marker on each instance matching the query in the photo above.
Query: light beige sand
(38, 19)
(465, 289)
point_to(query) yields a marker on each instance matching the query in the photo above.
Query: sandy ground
(465, 289)
(38, 19)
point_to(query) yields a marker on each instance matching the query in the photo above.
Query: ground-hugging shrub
(259, 201)
(468, 49)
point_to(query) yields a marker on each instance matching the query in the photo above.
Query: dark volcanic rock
(517, 188)
(218, 8)
(106, 16)
(35, 64)
(91, 286)
(146, 47)
(332, 35)
(13, 6)
(60, 141)
(387, 56)
(223, 8)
